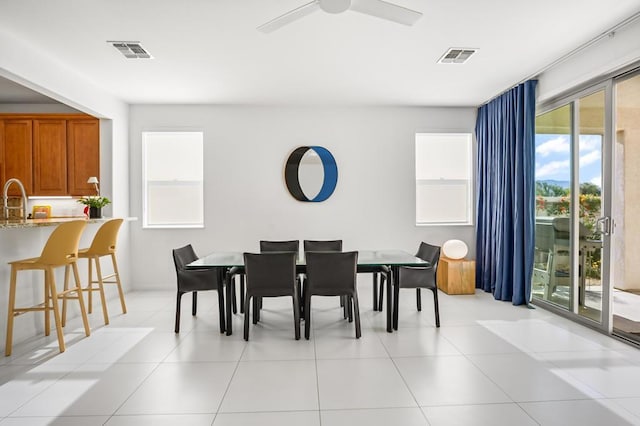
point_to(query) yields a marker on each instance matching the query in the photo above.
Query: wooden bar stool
(60, 250)
(103, 244)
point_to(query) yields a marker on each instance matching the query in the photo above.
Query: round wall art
(311, 173)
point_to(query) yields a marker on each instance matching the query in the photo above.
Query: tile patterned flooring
(490, 363)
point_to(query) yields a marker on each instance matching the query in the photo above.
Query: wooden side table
(456, 276)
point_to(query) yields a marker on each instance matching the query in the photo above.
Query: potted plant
(95, 204)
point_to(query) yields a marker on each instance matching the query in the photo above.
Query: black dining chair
(332, 274)
(418, 277)
(267, 246)
(270, 275)
(195, 280)
(271, 246)
(321, 245)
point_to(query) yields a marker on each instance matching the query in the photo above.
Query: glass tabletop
(230, 259)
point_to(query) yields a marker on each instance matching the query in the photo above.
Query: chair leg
(90, 286)
(116, 272)
(47, 308)
(178, 299)
(356, 313)
(241, 293)
(221, 309)
(234, 297)
(375, 291)
(50, 279)
(296, 315)
(194, 303)
(418, 300)
(103, 299)
(301, 296)
(246, 315)
(350, 308)
(396, 303)
(345, 309)
(307, 316)
(256, 310)
(10, 311)
(435, 306)
(64, 297)
(78, 291)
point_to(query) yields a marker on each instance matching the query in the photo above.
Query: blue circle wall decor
(300, 163)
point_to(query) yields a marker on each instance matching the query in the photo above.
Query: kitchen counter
(36, 223)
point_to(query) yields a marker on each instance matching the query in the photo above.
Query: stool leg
(64, 296)
(90, 286)
(105, 313)
(117, 277)
(47, 306)
(12, 305)
(83, 312)
(50, 280)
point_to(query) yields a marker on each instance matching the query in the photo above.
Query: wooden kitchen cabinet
(52, 154)
(16, 154)
(50, 157)
(83, 155)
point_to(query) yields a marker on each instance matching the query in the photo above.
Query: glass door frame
(573, 100)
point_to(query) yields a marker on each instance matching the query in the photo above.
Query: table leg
(389, 300)
(229, 286)
(375, 291)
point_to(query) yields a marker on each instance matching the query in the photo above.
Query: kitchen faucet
(6, 198)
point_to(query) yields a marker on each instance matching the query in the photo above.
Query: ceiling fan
(377, 8)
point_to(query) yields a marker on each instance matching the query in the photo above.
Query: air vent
(457, 55)
(131, 49)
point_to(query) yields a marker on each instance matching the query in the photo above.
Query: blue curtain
(505, 214)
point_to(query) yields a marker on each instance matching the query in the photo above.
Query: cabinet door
(83, 155)
(50, 157)
(17, 153)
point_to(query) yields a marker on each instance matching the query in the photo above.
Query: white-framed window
(172, 176)
(444, 171)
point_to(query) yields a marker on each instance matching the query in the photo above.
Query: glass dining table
(376, 261)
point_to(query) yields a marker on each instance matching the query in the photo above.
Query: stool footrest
(105, 279)
(35, 308)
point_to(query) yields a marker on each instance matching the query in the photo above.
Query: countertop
(35, 223)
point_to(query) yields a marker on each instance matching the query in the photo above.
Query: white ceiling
(208, 51)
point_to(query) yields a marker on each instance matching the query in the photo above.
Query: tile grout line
(235, 370)
(393, 361)
(150, 373)
(78, 366)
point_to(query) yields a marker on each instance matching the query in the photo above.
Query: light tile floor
(490, 363)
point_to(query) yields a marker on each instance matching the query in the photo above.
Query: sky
(553, 155)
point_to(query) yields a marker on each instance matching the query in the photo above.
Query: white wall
(246, 200)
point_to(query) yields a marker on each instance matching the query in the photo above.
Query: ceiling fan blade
(289, 17)
(385, 10)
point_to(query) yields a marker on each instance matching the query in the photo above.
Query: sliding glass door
(570, 259)
(626, 213)
(552, 272)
